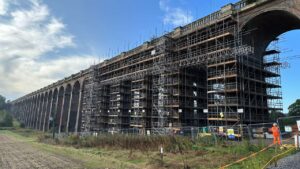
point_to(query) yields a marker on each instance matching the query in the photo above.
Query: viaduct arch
(56, 105)
(263, 21)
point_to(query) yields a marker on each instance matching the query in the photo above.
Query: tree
(294, 109)
(2, 102)
(6, 120)
(274, 115)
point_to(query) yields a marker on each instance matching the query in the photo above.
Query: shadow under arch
(74, 107)
(65, 109)
(48, 110)
(44, 111)
(265, 27)
(61, 92)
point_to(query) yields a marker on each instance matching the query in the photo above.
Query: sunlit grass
(199, 153)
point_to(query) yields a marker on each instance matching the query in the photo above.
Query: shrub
(71, 140)
(22, 125)
(130, 142)
(43, 137)
(6, 120)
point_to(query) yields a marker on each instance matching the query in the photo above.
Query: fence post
(297, 141)
(249, 132)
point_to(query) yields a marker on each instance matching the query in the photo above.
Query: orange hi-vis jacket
(276, 135)
(275, 131)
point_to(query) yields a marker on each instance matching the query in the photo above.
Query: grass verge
(143, 152)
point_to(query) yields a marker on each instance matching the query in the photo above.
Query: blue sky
(46, 40)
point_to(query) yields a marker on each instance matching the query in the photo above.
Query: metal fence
(288, 127)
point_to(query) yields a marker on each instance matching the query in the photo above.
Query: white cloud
(175, 16)
(28, 75)
(3, 7)
(28, 34)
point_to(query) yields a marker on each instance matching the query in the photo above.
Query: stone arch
(28, 111)
(60, 97)
(48, 110)
(44, 111)
(267, 25)
(75, 102)
(263, 27)
(34, 110)
(39, 110)
(65, 108)
(53, 105)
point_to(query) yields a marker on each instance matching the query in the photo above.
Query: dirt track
(15, 154)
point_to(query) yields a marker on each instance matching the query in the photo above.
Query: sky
(42, 41)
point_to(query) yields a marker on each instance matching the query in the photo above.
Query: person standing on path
(276, 134)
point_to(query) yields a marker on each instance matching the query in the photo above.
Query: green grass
(260, 160)
(197, 154)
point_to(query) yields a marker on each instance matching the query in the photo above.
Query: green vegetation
(128, 151)
(2, 102)
(6, 120)
(274, 115)
(261, 159)
(294, 109)
(126, 142)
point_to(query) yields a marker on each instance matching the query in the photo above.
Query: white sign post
(161, 153)
(298, 124)
(297, 141)
(297, 137)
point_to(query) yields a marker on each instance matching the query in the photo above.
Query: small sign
(153, 52)
(288, 129)
(298, 124)
(230, 133)
(205, 110)
(221, 130)
(161, 150)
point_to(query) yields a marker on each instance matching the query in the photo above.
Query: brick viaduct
(261, 23)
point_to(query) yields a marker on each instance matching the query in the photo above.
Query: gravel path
(290, 162)
(15, 154)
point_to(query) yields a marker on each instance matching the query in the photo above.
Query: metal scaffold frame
(171, 82)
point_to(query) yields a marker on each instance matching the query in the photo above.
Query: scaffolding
(160, 91)
(198, 75)
(272, 68)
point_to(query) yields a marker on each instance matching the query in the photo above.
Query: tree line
(6, 119)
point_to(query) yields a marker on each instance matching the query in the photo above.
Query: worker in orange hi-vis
(276, 134)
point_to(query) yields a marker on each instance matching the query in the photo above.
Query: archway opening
(59, 108)
(44, 111)
(46, 124)
(289, 56)
(74, 107)
(35, 117)
(53, 109)
(264, 32)
(39, 111)
(65, 111)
